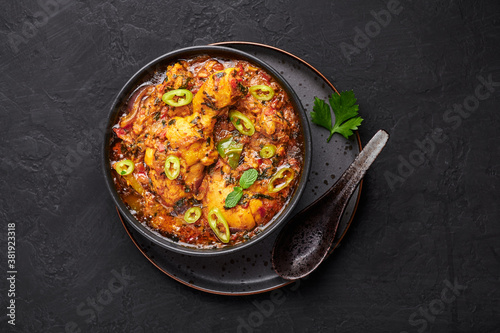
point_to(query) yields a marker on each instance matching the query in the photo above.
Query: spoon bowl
(307, 238)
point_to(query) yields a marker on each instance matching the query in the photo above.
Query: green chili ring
(172, 167)
(192, 215)
(124, 167)
(267, 92)
(267, 151)
(281, 176)
(225, 235)
(242, 123)
(185, 97)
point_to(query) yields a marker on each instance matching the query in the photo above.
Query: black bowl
(148, 73)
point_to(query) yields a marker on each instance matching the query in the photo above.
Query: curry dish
(208, 152)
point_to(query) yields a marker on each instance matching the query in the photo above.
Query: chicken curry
(209, 153)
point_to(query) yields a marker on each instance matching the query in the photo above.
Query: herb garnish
(234, 197)
(246, 180)
(345, 110)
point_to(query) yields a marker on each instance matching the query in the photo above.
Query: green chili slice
(280, 180)
(233, 160)
(124, 167)
(224, 144)
(267, 151)
(184, 97)
(229, 145)
(192, 215)
(231, 149)
(242, 123)
(215, 220)
(172, 167)
(262, 92)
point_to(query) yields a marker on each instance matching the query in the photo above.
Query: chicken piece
(188, 143)
(192, 177)
(238, 218)
(178, 111)
(182, 133)
(182, 138)
(219, 91)
(215, 95)
(191, 137)
(177, 77)
(170, 190)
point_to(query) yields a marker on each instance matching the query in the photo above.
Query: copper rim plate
(250, 271)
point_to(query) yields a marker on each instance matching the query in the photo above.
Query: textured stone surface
(63, 62)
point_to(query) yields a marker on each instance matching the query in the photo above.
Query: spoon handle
(335, 199)
(347, 183)
(308, 237)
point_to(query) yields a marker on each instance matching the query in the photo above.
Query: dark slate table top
(423, 251)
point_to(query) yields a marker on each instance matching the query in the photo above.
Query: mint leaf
(321, 115)
(234, 197)
(248, 178)
(345, 110)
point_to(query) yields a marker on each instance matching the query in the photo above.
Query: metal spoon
(306, 239)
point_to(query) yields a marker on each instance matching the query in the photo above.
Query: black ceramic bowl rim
(148, 71)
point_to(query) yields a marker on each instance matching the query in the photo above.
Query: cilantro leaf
(248, 178)
(234, 197)
(345, 110)
(348, 126)
(344, 106)
(321, 114)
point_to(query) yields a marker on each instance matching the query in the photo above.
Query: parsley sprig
(345, 110)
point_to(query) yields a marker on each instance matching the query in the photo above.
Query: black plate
(249, 271)
(149, 73)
